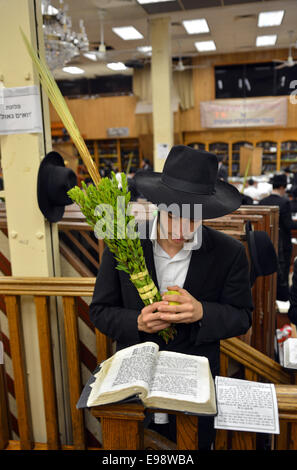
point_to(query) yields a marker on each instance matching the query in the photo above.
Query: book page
(246, 406)
(180, 376)
(130, 367)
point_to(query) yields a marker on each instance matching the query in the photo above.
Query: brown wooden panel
(103, 346)
(293, 436)
(74, 373)
(243, 440)
(4, 423)
(121, 435)
(186, 432)
(47, 368)
(19, 369)
(122, 425)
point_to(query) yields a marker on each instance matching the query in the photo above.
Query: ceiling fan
(181, 67)
(290, 62)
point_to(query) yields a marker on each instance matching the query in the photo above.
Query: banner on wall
(249, 112)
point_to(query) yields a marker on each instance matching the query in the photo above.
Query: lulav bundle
(112, 222)
(127, 251)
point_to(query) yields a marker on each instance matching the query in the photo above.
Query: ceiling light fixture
(270, 18)
(90, 55)
(268, 40)
(61, 43)
(203, 46)
(127, 33)
(116, 66)
(143, 2)
(196, 26)
(73, 70)
(145, 49)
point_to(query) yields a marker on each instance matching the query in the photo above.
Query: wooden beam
(19, 371)
(47, 368)
(74, 373)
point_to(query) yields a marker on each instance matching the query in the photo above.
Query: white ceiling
(233, 27)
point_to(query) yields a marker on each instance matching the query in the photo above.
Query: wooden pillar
(33, 242)
(161, 69)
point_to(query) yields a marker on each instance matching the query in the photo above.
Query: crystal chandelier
(61, 43)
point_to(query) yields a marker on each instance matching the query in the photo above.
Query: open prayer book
(161, 379)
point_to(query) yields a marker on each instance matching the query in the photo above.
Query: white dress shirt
(171, 271)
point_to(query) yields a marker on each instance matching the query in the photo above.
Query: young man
(208, 268)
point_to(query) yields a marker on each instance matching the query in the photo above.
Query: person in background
(132, 185)
(222, 169)
(145, 165)
(252, 190)
(293, 201)
(278, 198)
(289, 175)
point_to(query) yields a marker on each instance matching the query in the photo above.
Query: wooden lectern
(254, 155)
(123, 429)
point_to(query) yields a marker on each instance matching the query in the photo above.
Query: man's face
(177, 230)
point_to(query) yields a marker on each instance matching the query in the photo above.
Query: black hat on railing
(263, 256)
(53, 182)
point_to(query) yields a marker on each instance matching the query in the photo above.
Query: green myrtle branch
(110, 221)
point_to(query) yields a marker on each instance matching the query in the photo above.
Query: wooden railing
(12, 288)
(256, 366)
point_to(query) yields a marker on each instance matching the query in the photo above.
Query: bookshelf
(197, 145)
(110, 152)
(220, 148)
(288, 153)
(270, 155)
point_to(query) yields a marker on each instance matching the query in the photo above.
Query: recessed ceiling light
(196, 26)
(73, 70)
(203, 46)
(90, 55)
(268, 40)
(127, 33)
(116, 66)
(270, 18)
(143, 2)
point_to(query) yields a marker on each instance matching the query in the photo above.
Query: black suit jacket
(218, 276)
(292, 313)
(285, 219)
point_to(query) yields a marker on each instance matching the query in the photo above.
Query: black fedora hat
(53, 182)
(189, 178)
(279, 179)
(263, 256)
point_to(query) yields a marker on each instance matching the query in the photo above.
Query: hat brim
(51, 212)
(260, 240)
(225, 199)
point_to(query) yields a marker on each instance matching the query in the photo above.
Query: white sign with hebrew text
(20, 111)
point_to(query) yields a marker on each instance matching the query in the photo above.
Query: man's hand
(149, 321)
(189, 309)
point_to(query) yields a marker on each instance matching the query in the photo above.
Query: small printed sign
(118, 131)
(20, 111)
